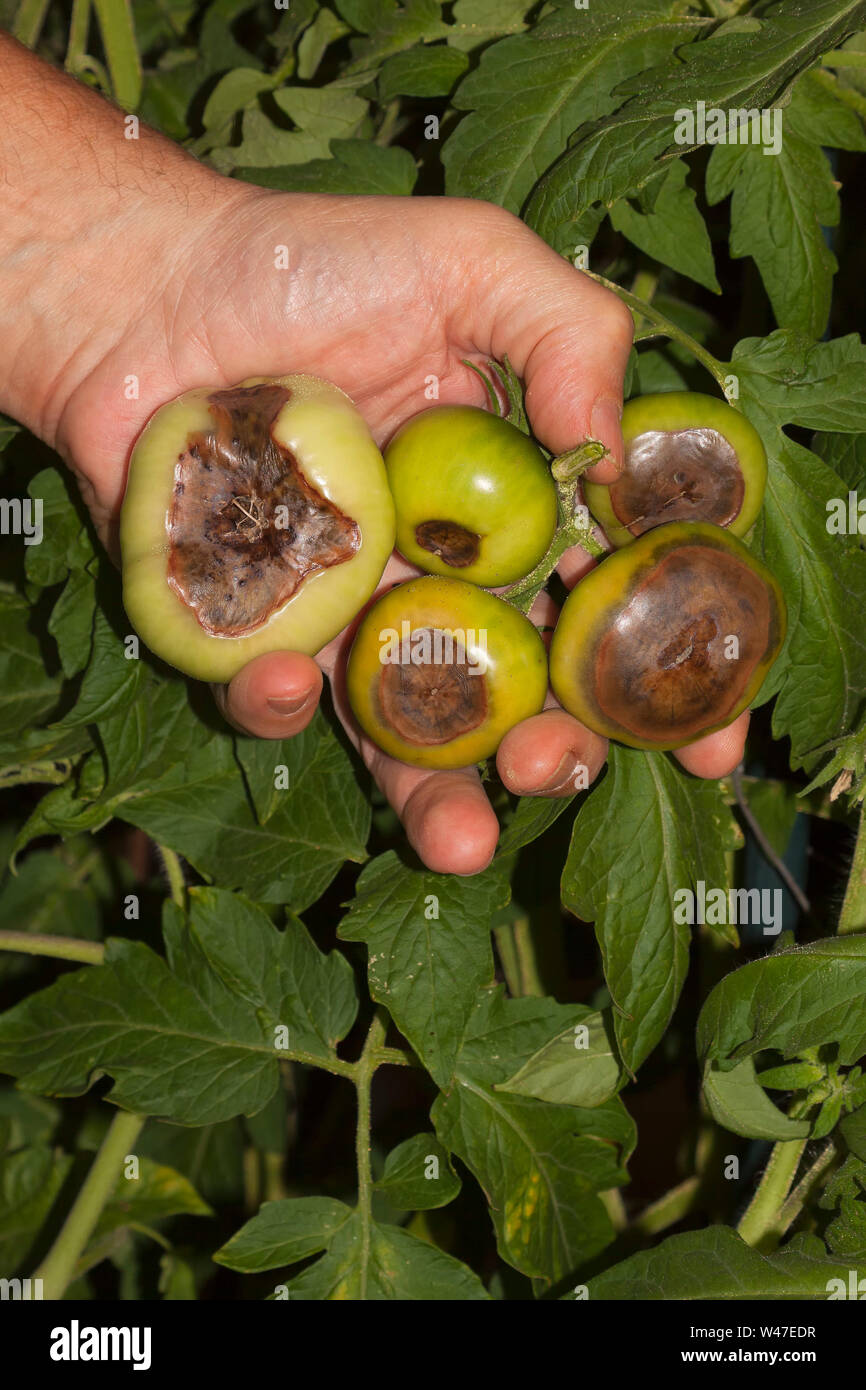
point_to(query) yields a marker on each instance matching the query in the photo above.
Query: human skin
(125, 257)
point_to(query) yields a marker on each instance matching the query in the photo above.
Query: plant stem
(573, 530)
(57, 1268)
(174, 874)
(761, 1215)
(801, 1193)
(670, 329)
(852, 918)
(669, 1209)
(60, 947)
(364, 1069)
(29, 21)
(773, 859)
(390, 121)
(121, 50)
(79, 25)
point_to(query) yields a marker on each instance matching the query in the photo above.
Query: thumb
(568, 337)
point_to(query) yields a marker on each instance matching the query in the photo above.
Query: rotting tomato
(669, 639)
(256, 518)
(688, 457)
(440, 670)
(474, 496)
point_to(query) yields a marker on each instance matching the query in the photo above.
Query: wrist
(91, 220)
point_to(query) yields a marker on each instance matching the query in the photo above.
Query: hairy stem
(667, 327)
(121, 50)
(364, 1070)
(60, 947)
(762, 1214)
(56, 1270)
(853, 915)
(174, 874)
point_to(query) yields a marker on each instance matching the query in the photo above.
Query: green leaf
(390, 1264)
(789, 1001)
(781, 204)
(47, 894)
(194, 1038)
(846, 455)
(530, 92)
(845, 1195)
(580, 1066)
(739, 1103)
(735, 67)
(27, 691)
(30, 1181)
(65, 543)
(156, 1194)
(428, 939)
(478, 21)
(647, 832)
(323, 31)
(421, 72)
(717, 1264)
(202, 811)
(418, 1175)
(112, 680)
(540, 1166)
(355, 166)
(321, 114)
(71, 621)
(283, 1232)
(674, 232)
(532, 816)
(821, 676)
(237, 90)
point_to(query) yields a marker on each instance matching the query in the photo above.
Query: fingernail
(285, 704)
(605, 424)
(561, 779)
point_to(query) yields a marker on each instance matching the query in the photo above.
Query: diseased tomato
(688, 457)
(440, 670)
(668, 639)
(256, 518)
(474, 496)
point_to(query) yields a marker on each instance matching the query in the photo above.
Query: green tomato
(257, 518)
(688, 457)
(669, 639)
(440, 670)
(474, 496)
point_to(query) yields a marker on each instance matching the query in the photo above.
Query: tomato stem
(575, 525)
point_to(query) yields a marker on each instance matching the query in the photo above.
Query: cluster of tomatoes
(261, 517)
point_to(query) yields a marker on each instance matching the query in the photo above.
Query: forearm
(83, 209)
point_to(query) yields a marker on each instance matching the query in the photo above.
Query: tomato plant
(626, 1061)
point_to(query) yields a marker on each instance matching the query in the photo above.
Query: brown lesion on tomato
(245, 528)
(430, 702)
(678, 475)
(450, 541)
(667, 667)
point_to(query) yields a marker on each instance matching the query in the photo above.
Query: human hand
(380, 295)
